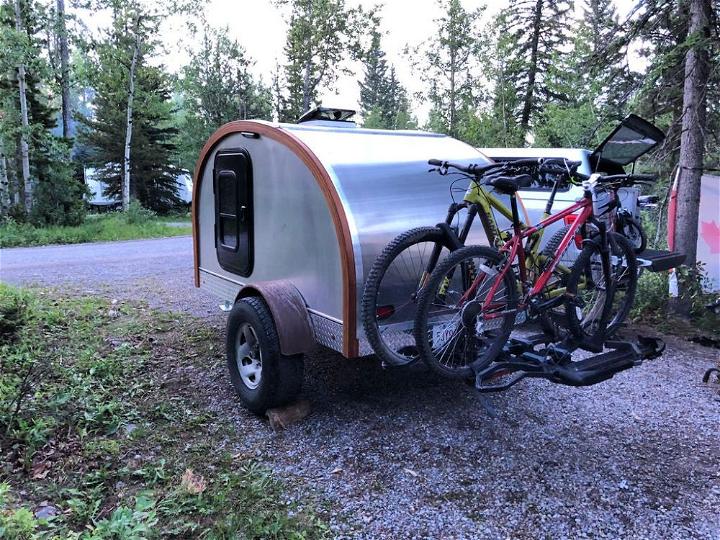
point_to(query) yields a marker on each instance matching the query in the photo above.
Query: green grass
(97, 228)
(97, 422)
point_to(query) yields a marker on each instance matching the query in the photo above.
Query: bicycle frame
(514, 248)
(487, 202)
(479, 201)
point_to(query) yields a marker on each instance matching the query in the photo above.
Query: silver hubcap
(248, 356)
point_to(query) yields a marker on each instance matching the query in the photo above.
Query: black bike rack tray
(660, 260)
(531, 358)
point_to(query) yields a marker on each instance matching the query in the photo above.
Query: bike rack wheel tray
(537, 357)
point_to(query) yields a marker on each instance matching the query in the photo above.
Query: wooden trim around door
(337, 212)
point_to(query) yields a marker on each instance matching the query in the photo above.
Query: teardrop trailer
(287, 221)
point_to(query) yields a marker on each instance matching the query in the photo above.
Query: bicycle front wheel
(390, 295)
(459, 326)
(594, 307)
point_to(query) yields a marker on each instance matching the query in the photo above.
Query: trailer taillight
(569, 220)
(383, 312)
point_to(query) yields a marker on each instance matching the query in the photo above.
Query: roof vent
(328, 116)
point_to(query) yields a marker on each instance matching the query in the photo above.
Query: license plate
(442, 333)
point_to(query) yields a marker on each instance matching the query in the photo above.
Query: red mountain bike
(475, 296)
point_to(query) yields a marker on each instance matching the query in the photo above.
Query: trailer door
(232, 185)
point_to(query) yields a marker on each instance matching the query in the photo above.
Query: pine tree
(450, 66)
(322, 34)
(383, 100)
(217, 87)
(536, 31)
(152, 173)
(605, 64)
(375, 67)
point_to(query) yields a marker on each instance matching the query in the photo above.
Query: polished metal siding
(295, 237)
(383, 180)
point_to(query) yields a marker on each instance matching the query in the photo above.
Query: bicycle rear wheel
(391, 290)
(458, 327)
(633, 231)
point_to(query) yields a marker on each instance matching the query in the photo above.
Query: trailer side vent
(233, 211)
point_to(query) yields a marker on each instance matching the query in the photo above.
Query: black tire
(587, 279)
(625, 277)
(633, 231)
(397, 348)
(552, 321)
(439, 290)
(279, 378)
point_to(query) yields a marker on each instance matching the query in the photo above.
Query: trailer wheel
(262, 376)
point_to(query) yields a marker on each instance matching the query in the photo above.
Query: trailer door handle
(243, 214)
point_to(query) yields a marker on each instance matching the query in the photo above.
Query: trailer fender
(289, 313)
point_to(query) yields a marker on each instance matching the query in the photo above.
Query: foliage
(449, 65)
(137, 214)
(114, 449)
(153, 175)
(13, 314)
(216, 87)
(60, 198)
(102, 228)
(322, 35)
(58, 195)
(652, 302)
(383, 100)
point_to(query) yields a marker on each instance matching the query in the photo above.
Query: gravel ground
(401, 454)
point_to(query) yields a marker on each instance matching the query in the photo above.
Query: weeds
(107, 227)
(113, 450)
(137, 214)
(652, 300)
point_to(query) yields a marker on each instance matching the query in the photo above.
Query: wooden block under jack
(282, 417)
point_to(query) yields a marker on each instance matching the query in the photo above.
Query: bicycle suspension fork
(453, 240)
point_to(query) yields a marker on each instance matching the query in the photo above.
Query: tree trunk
(4, 183)
(453, 97)
(64, 70)
(532, 68)
(129, 123)
(307, 91)
(692, 146)
(24, 150)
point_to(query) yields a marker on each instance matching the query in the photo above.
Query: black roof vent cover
(327, 114)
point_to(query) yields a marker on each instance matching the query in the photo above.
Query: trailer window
(227, 199)
(233, 210)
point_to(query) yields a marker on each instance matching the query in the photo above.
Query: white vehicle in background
(99, 201)
(631, 139)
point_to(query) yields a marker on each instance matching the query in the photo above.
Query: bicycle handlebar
(546, 164)
(629, 178)
(473, 168)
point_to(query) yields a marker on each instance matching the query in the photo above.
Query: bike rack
(539, 357)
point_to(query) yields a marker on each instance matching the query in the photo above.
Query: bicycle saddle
(510, 184)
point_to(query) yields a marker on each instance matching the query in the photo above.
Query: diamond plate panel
(328, 333)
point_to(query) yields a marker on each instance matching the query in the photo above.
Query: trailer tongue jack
(536, 357)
